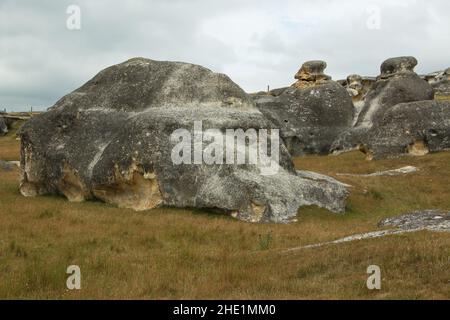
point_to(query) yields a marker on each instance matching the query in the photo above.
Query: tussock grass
(175, 253)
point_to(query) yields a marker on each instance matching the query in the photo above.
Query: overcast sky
(257, 43)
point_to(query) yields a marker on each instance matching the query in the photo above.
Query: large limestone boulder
(3, 127)
(310, 113)
(414, 128)
(397, 83)
(113, 139)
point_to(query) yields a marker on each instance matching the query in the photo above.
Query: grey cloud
(256, 43)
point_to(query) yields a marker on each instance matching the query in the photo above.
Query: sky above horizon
(45, 53)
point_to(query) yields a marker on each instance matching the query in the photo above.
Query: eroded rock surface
(398, 116)
(310, 113)
(415, 128)
(440, 82)
(111, 140)
(310, 74)
(358, 87)
(433, 220)
(397, 83)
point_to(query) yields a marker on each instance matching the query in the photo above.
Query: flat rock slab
(431, 220)
(394, 172)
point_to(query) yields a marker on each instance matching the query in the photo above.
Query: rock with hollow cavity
(354, 86)
(397, 83)
(358, 87)
(414, 128)
(112, 139)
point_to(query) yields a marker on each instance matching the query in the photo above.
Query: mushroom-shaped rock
(311, 73)
(145, 133)
(398, 83)
(358, 87)
(396, 66)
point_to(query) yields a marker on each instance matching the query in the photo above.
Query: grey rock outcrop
(397, 83)
(379, 131)
(111, 139)
(358, 87)
(433, 220)
(414, 128)
(440, 82)
(3, 127)
(430, 220)
(354, 87)
(310, 113)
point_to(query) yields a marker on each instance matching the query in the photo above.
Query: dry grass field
(174, 253)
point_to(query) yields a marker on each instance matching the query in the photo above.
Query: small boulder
(311, 73)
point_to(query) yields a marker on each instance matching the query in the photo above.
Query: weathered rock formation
(310, 113)
(414, 128)
(112, 139)
(311, 74)
(390, 123)
(440, 82)
(397, 83)
(354, 87)
(358, 87)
